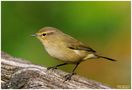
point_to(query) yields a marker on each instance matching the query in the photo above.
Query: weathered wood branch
(17, 73)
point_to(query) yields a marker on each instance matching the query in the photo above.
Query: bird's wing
(77, 45)
(81, 47)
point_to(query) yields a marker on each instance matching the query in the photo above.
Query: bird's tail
(106, 58)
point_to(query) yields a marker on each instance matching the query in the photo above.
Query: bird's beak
(34, 35)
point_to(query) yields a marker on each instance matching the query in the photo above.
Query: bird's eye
(43, 34)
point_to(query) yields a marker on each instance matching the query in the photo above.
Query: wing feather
(77, 45)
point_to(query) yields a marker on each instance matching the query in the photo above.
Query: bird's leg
(55, 67)
(68, 76)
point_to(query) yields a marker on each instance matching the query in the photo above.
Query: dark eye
(43, 34)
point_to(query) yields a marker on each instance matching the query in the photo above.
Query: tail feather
(107, 58)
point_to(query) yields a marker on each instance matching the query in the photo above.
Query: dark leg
(55, 67)
(68, 76)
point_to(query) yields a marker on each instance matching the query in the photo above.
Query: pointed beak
(34, 35)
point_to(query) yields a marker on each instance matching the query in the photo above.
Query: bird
(63, 47)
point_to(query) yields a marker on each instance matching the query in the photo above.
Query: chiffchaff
(65, 48)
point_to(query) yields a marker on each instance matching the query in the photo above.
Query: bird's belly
(66, 55)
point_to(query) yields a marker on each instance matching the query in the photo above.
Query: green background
(105, 26)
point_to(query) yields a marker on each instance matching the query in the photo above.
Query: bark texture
(17, 73)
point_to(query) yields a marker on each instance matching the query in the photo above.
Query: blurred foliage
(105, 26)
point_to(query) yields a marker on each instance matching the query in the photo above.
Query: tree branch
(17, 73)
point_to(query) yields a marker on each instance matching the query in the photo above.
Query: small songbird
(65, 48)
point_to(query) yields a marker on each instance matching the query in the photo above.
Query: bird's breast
(64, 53)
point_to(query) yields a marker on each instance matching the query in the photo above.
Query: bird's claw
(51, 68)
(68, 76)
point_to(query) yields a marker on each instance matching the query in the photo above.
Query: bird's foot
(68, 76)
(52, 68)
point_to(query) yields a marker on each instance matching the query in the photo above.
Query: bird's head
(48, 33)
